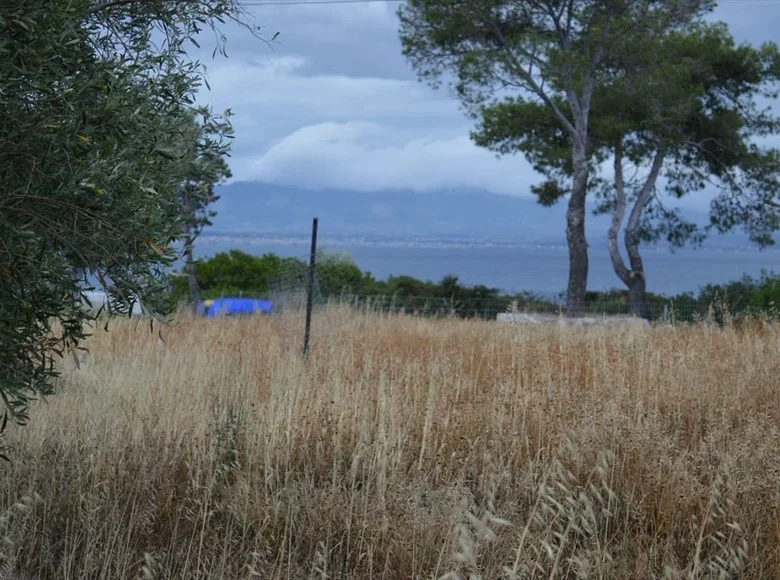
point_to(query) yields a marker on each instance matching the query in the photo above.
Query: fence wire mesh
(494, 308)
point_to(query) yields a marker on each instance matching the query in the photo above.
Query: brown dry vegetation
(406, 448)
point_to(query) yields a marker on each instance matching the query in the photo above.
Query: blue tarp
(228, 306)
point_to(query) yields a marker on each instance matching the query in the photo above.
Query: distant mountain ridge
(261, 209)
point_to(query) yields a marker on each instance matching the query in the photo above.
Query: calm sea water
(531, 269)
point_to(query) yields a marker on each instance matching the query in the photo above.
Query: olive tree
(94, 150)
(207, 168)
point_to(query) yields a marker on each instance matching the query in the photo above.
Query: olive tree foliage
(95, 144)
(552, 53)
(208, 168)
(676, 115)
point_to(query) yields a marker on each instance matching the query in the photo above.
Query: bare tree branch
(537, 89)
(646, 193)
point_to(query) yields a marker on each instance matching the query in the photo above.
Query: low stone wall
(528, 318)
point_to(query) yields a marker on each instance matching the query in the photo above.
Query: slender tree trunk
(575, 231)
(634, 275)
(619, 213)
(192, 281)
(635, 292)
(637, 287)
(637, 296)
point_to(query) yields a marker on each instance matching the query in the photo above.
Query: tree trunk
(618, 215)
(637, 284)
(632, 277)
(637, 296)
(575, 232)
(192, 281)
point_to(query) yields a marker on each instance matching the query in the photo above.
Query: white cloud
(368, 156)
(270, 100)
(362, 133)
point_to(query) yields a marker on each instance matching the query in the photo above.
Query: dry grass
(405, 449)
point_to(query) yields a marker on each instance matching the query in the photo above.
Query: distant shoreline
(425, 242)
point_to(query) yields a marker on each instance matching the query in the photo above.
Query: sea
(515, 267)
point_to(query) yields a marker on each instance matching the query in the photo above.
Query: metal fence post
(310, 288)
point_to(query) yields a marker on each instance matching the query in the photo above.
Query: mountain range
(265, 209)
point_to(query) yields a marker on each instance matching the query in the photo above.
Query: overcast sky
(334, 105)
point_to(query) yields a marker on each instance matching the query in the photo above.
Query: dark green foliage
(338, 274)
(748, 292)
(96, 140)
(229, 273)
(693, 93)
(238, 273)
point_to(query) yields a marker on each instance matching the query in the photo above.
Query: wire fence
(291, 301)
(502, 308)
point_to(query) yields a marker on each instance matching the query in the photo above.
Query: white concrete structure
(529, 318)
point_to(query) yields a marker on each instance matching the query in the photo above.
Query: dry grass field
(405, 448)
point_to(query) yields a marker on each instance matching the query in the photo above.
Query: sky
(332, 103)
